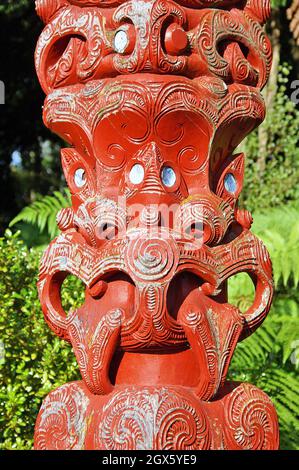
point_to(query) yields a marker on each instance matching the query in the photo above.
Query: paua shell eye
(121, 41)
(80, 178)
(230, 183)
(136, 175)
(168, 176)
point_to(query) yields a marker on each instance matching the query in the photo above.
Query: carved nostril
(151, 216)
(108, 231)
(195, 230)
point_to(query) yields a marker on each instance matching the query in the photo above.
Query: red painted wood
(153, 98)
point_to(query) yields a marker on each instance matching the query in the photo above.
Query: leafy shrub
(42, 213)
(275, 182)
(269, 358)
(33, 360)
(266, 360)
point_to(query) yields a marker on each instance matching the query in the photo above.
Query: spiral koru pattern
(152, 419)
(251, 419)
(191, 161)
(61, 424)
(152, 257)
(181, 425)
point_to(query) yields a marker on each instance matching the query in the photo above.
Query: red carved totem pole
(153, 97)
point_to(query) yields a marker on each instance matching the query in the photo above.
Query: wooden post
(153, 97)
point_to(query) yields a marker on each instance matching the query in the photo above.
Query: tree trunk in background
(271, 88)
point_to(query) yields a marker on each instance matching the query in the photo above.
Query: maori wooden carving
(153, 98)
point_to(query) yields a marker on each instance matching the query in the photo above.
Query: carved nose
(156, 189)
(158, 214)
(151, 216)
(153, 161)
(152, 175)
(158, 176)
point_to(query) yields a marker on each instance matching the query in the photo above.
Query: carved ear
(230, 182)
(78, 174)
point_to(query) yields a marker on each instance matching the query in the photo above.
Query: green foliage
(266, 360)
(279, 229)
(21, 127)
(278, 181)
(42, 213)
(279, 3)
(270, 357)
(11, 6)
(32, 360)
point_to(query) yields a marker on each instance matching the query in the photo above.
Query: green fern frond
(264, 360)
(42, 213)
(279, 229)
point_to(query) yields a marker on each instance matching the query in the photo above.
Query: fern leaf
(42, 213)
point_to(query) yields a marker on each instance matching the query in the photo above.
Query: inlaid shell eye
(168, 176)
(136, 174)
(230, 183)
(80, 178)
(121, 41)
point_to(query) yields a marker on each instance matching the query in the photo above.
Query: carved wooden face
(154, 97)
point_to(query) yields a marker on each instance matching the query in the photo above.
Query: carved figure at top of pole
(153, 98)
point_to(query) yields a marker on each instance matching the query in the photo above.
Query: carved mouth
(155, 296)
(180, 288)
(150, 312)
